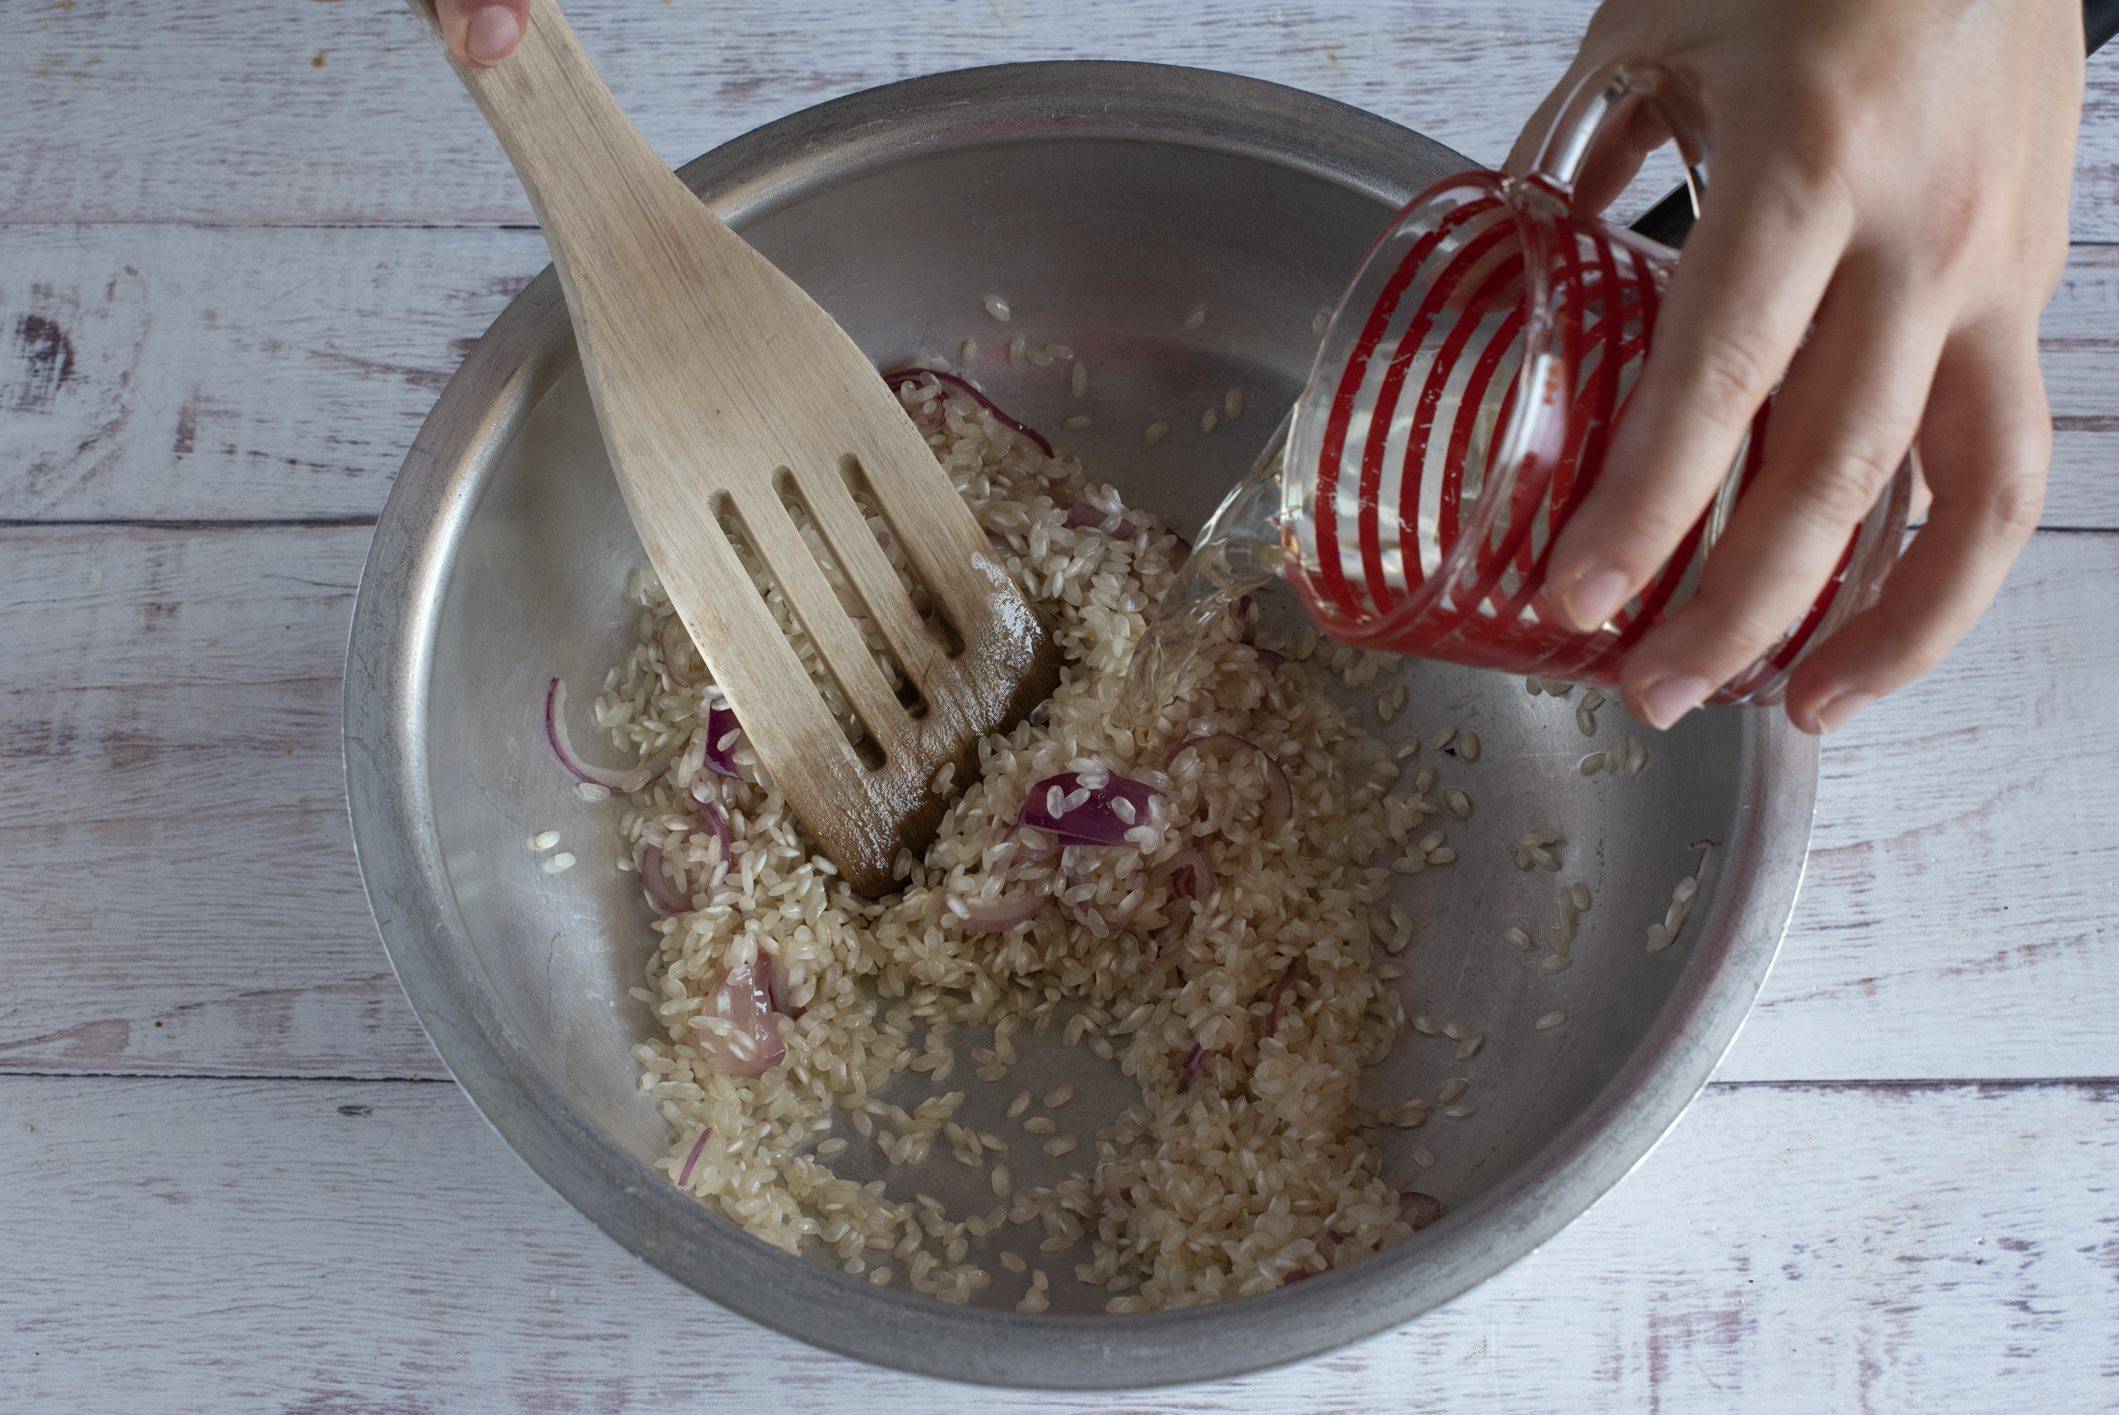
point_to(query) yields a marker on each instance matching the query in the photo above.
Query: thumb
(1532, 137)
(481, 32)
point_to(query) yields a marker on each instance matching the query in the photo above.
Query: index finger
(1752, 276)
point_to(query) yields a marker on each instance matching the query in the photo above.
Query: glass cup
(1460, 407)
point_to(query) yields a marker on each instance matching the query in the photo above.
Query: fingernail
(1667, 699)
(1841, 710)
(493, 34)
(1594, 598)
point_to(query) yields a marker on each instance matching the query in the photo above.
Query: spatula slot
(932, 612)
(778, 604)
(850, 594)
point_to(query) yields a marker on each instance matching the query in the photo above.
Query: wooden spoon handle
(593, 180)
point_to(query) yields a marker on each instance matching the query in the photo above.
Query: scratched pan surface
(1107, 201)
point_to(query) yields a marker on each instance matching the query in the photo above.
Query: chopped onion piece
(1037, 844)
(1246, 611)
(1083, 515)
(1189, 873)
(674, 641)
(958, 383)
(723, 732)
(662, 891)
(1193, 1062)
(1001, 915)
(775, 996)
(710, 816)
(1280, 797)
(1419, 1210)
(555, 735)
(742, 1001)
(1095, 821)
(691, 1161)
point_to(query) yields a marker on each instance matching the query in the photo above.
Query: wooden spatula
(727, 399)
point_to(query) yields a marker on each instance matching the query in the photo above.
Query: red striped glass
(1460, 408)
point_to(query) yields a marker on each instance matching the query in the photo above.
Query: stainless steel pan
(1106, 201)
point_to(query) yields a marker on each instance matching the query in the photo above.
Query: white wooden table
(242, 244)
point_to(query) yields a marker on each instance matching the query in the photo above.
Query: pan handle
(1670, 220)
(2100, 21)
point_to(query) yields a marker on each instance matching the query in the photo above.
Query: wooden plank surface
(183, 373)
(199, 373)
(1892, 1249)
(242, 246)
(173, 840)
(168, 712)
(263, 112)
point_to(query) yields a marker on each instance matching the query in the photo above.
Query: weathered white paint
(175, 843)
(261, 234)
(233, 374)
(227, 373)
(245, 1244)
(259, 112)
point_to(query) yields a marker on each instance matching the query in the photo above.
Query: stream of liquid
(1239, 550)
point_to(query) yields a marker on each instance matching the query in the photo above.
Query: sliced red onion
(710, 816)
(1280, 797)
(1197, 882)
(742, 1001)
(1038, 844)
(1193, 1062)
(723, 732)
(1095, 821)
(691, 1161)
(1189, 873)
(1082, 515)
(674, 641)
(775, 995)
(1328, 1245)
(1273, 999)
(1002, 914)
(1271, 658)
(661, 889)
(625, 783)
(957, 383)
(1419, 1210)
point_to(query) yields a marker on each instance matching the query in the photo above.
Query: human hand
(1888, 217)
(481, 32)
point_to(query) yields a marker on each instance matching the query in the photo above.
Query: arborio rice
(1221, 953)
